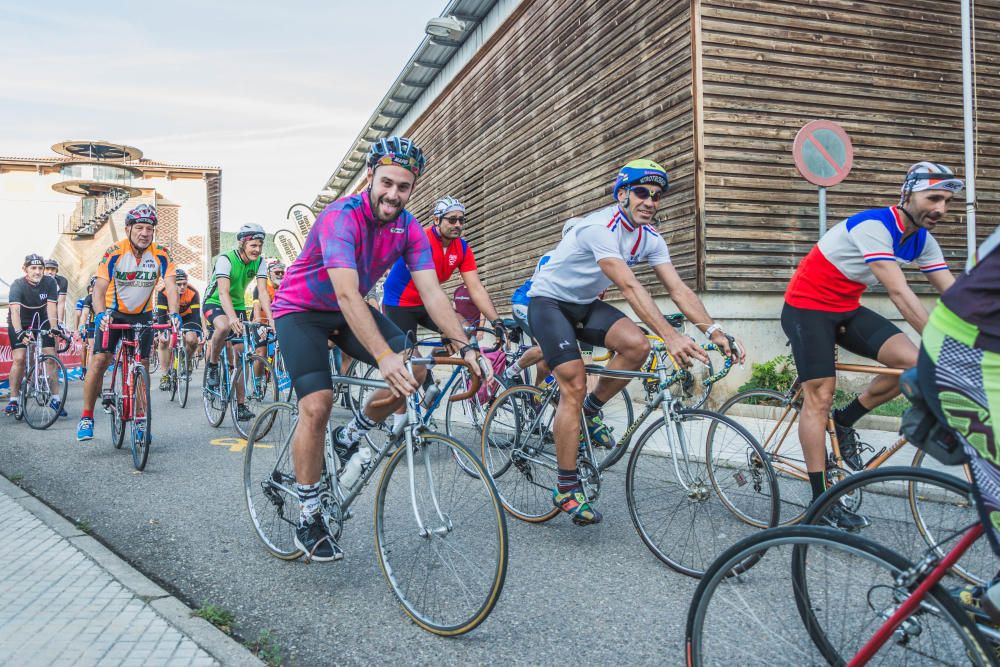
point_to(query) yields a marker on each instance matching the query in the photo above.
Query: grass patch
(16, 478)
(84, 526)
(267, 649)
(217, 616)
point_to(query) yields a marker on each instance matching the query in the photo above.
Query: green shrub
(778, 374)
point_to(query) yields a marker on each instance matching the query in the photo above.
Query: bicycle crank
(590, 479)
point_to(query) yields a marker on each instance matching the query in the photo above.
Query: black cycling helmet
(180, 274)
(33, 260)
(51, 264)
(399, 151)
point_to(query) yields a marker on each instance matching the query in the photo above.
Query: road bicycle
(179, 367)
(772, 418)
(683, 491)
(42, 396)
(440, 533)
(237, 374)
(127, 400)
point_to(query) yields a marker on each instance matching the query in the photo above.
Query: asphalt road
(594, 595)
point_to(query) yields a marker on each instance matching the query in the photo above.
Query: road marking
(236, 444)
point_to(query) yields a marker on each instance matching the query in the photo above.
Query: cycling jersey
(573, 274)
(33, 299)
(520, 296)
(88, 302)
(188, 303)
(837, 271)
(465, 308)
(975, 296)
(347, 235)
(241, 274)
(256, 300)
(61, 283)
(399, 288)
(132, 280)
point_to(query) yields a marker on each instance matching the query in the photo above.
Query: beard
(395, 204)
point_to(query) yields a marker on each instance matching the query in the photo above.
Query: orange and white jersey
(132, 279)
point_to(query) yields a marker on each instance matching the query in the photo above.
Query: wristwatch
(712, 329)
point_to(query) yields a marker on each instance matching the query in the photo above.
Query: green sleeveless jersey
(240, 274)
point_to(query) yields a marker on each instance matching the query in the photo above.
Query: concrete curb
(216, 643)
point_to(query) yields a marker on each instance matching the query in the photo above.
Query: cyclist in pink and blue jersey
(353, 242)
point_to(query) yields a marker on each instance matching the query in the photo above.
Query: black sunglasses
(646, 193)
(455, 221)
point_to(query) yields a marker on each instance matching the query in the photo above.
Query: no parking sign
(824, 156)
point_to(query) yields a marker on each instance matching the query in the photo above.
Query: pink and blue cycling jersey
(347, 236)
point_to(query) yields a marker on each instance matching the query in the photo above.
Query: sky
(273, 93)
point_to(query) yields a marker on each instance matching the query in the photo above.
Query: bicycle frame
(910, 604)
(787, 465)
(128, 361)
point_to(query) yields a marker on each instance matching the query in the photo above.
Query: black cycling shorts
(114, 335)
(408, 318)
(213, 311)
(557, 326)
(303, 338)
(47, 340)
(813, 335)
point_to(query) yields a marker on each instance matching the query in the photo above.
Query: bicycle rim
(262, 392)
(449, 579)
(674, 505)
(183, 377)
(142, 417)
(115, 417)
(269, 481)
(767, 416)
(911, 511)
(851, 583)
(518, 450)
(172, 374)
(216, 401)
(37, 391)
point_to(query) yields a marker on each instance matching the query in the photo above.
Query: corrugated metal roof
(431, 55)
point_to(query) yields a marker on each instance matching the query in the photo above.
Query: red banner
(70, 357)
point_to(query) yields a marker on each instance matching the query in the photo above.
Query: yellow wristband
(379, 357)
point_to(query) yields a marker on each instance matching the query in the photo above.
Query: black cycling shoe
(243, 413)
(850, 449)
(213, 376)
(312, 537)
(344, 452)
(840, 517)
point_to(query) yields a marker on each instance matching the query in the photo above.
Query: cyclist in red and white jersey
(823, 309)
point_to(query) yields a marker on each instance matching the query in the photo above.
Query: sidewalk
(65, 599)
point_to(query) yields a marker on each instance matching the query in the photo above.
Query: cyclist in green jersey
(225, 307)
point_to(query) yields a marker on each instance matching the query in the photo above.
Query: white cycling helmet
(446, 205)
(251, 231)
(929, 176)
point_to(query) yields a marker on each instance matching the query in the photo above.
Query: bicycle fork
(424, 530)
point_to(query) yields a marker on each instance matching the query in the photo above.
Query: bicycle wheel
(518, 451)
(355, 395)
(921, 460)
(183, 376)
(772, 420)
(912, 510)
(216, 400)
(142, 417)
(448, 572)
(843, 591)
(269, 480)
(154, 363)
(172, 377)
(689, 497)
(617, 414)
(43, 385)
(691, 389)
(117, 415)
(262, 392)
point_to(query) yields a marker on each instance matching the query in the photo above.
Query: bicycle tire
(521, 463)
(116, 418)
(469, 520)
(46, 416)
(216, 402)
(769, 635)
(154, 362)
(655, 525)
(172, 375)
(762, 412)
(269, 481)
(920, 460)
(141, 403)
(938, 503)
(183, 376)
(262, 394)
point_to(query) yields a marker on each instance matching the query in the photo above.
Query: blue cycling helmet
(141, 213)
(640, 172)
(446, 205)
(399, 151)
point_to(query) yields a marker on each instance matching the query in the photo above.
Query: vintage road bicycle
(440, 533)
(237, 372)
(42, 395)
(681, 488)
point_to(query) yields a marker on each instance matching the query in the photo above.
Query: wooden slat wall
(533, 131)
(888, 70)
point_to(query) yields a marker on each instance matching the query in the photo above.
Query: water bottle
(354, 467)
(547, 382)
(430, 395)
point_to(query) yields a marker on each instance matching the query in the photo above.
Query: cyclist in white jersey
(598, 252)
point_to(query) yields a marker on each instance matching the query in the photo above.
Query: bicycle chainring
(333, 515)
(590, 479)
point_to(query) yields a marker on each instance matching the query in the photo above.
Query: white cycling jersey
(573, 274)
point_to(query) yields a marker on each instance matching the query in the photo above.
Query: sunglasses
(646, 193)
(278, 274)
(460, 220)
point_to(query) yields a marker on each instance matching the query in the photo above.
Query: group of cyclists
(320, 299)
